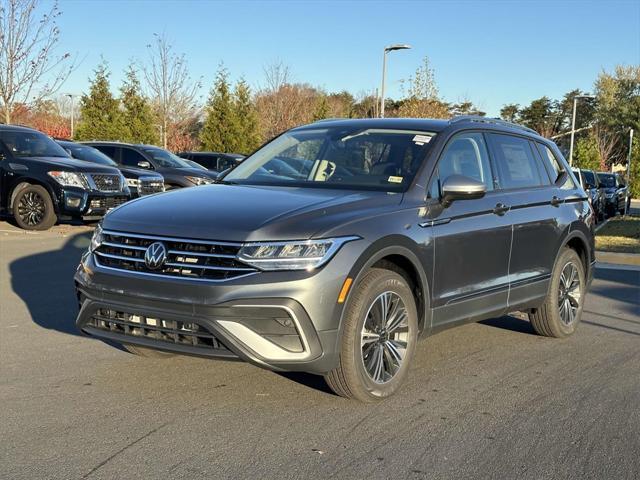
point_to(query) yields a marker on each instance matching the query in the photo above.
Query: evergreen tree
(138, 118)
(248, 138)
(322, 109)
(220, 131)
(101, 118)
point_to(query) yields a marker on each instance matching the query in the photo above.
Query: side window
(466, 154)
(130, 157)
(516, 165)
(107, 150)
(555, 168)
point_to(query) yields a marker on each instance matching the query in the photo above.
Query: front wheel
(378, 340)
(562, 309)
(33, 208)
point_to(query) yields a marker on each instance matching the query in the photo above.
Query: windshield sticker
(421, 139)
(393, 179)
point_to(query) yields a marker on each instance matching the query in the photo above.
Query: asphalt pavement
(487, 400)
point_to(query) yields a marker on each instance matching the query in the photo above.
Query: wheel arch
(399, 254)
(23, 182)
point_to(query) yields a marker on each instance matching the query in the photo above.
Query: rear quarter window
(559, 175)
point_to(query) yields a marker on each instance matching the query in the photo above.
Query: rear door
(472, 238)
(535, 204)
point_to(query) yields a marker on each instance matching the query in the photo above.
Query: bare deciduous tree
(172, 90)
(30, 69)
(606, 144)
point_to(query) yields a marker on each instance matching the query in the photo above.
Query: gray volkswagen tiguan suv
(336, 246)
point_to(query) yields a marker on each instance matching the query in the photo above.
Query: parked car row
(43, 181)
(608, 192)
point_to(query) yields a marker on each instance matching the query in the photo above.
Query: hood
(247, 213)
(132, 172)
(70, 165)
(192, 172)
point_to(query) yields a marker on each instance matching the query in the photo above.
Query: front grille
(188, 333)
(106, 203)
(106, 182)
(191, 259)
(150, 185)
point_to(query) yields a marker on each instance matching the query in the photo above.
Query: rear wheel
(562, 309)
(33, 208)
(146, 352)
(378, 340)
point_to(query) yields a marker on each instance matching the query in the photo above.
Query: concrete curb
(618, 258)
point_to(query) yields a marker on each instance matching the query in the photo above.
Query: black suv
(616, 192)
(176, 172)
(590, 183)
(337, 245)
(40, 183)
(214, 161)
(140, 181)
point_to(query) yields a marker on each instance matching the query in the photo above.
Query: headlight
(70, 179)
(96, 239)
(199, 180)
(295, 255)
(133, 182)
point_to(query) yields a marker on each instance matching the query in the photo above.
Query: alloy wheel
(569, 294)
(31, 208)
(384, 337)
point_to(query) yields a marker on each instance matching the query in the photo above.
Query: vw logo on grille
(155, 256)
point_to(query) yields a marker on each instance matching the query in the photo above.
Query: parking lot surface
(488, 400)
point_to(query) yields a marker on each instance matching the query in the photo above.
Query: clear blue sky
(492, 53)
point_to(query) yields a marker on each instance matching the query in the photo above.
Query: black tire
(33, 208)
(351, 378)
(550, 320)
(147, 352)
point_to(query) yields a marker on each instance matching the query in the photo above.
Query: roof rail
(494, 121)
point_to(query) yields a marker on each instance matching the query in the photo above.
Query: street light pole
(72, 113)
(386, 50)
(573, 124)
(626, 203)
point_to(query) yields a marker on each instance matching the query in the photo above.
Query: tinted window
(225, 163)
(589, 178)
(607, 180)
(109, 151)
(31, 144)
(516, 164)
(165, 159)
(466, 154)
(554, 167)
(130, 157)
(208, 161)
(89, 154)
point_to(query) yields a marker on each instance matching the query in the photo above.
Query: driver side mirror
(144, 164)
(460, 187)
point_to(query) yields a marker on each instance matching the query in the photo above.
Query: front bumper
(285, 321)
(88, 204)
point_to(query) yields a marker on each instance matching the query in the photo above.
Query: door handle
(501, 209)
(556, 201)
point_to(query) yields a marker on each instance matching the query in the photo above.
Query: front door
(472, 239)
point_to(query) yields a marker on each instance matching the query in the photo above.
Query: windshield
(162, 158)
(31, 144)
(89, 154)
(369, 159)
(607, 180)
(589, 178)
